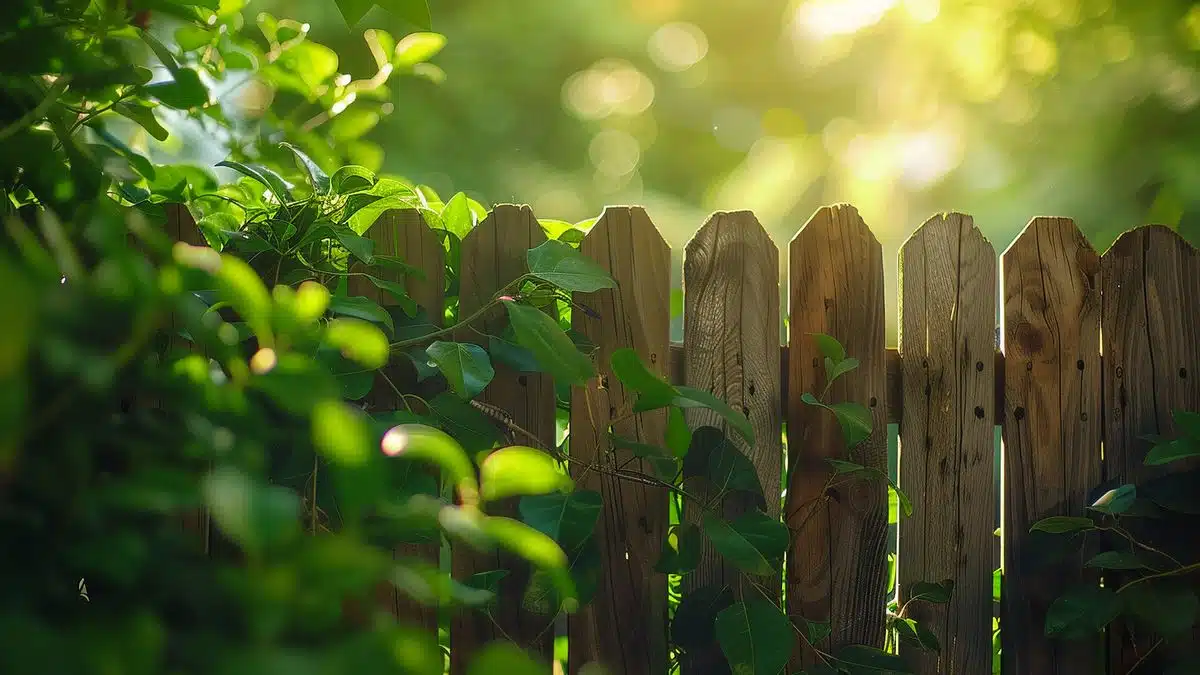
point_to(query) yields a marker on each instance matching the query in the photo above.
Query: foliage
(1137, 547)
(149, 381)
(89, 83)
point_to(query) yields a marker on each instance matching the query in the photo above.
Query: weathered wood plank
(624, 628)
(895, 388)
(1150, 280)
(947, 341)
(837, 566)
(731, 342)
(404, 234)
(493, 255)
(1051, 320)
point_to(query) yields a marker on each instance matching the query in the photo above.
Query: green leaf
(1082, 612)
(1117, 560)
(829, 347)
(653, 391)
(1188, 423)
(352, 124)
(913, 633)
(317, 179)
(1167, 607)
(569, 519)
(358, 341)
(143, 115)
(360, 247)
(417, 48)
(680, 551)
(541, 335)
(504, 349)
(273, 182)
(191, 37)
(457, 216)
(518, 470)
(835, 370)
(679, 435)
(341, 433)
(474, 430)
(466, 366)
(415, 12)
(351, 179)
(1116, 501)
(816, 631)
(902, 500)
(310, 302)
(694, 624)
(425, 444)
(927, 591)
(362, 308)
(506, 658)
(535, 547)
(754, 541)
(1061, 524)
(396, 291)
(870, 659)
(713, 456)
(242, 288)
(690, 397)
(664, 463)
(1172, 451)
(567, 268)
(755, 636)
(297, 384)
(854, 418)
(254, 515)
(184, 92)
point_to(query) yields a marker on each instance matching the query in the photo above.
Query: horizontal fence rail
(1056, 400)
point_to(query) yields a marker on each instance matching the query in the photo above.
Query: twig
(59, 86)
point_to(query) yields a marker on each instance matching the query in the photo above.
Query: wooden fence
(1057, 401)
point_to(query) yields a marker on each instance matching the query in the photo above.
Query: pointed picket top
(834, 220)
(497, 249)
(729, 226)
(837, 562)
(404, 234)
(1052, 427)
(620, 223)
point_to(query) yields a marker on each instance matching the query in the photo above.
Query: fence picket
(731, 347)
(1150, 279)
(493, 255)
(624, 628)
(947, 344)
(1051, 321)
(837, 566)
(403, 233)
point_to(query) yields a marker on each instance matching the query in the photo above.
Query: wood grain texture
(404, 234)
(624, 628)
(731, 342)
(895, 376)
(837, 565)
(947, 341)
(1150, 280)
(1051, 320)
(493, 255)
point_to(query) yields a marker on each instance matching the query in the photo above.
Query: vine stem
(496, 300)
(1169, 573)
(1144, 657)
(60, 85)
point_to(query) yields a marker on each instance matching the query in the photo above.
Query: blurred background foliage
(1004, 109)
